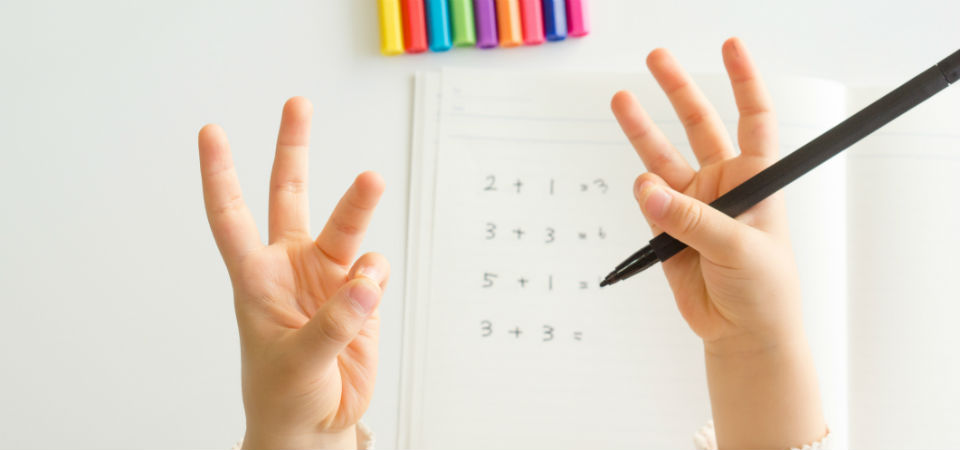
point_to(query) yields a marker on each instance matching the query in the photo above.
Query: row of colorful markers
(413, 26)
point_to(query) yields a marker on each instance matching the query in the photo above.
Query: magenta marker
(485, 13)
(578, 23)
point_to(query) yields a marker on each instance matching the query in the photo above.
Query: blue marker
(555, 19)
(438, 25)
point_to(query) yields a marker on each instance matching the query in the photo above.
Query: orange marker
(508, 23)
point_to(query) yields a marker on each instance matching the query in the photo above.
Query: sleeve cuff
(365, 439)
(706, 439)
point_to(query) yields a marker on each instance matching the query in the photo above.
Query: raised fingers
(230, 220)
(343, 233)
(658, 155)
(757, 130)
(289, 206)
(700, 120)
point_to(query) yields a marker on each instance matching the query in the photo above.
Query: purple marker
(485, 14)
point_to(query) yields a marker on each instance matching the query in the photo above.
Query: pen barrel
(814, 153)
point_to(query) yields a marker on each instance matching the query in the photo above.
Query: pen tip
(609, 279)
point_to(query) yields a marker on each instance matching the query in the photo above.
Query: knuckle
(693, 118)
(232, 204)
(291, 185)
(639, 133)
(334, 329)
(755, 109)
(691, 218)
(344, 227)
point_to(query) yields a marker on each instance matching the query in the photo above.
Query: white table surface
(117, 328)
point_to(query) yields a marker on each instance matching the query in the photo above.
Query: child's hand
(307, 313)
(737, 286)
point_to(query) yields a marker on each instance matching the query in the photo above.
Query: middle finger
(705, 130)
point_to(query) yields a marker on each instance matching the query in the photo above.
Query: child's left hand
(307, 313)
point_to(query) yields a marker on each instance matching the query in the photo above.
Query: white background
(117, 326)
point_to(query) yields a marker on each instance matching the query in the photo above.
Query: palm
(705, 290)
(697, 281)
(296, 279)
(308, 330)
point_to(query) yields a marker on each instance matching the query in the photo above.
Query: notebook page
(904, 218)
(520, 347)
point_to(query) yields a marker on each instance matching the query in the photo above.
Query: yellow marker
(391, 29)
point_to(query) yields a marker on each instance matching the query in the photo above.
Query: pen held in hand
(804, 159)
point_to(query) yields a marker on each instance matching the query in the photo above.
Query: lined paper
(904, 361)
(511, 343)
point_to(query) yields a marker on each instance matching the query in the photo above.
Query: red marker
(414, 26)
(577, 22)
(531, 16)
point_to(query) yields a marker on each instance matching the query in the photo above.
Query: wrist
(261, 439)
(757, 343)
(764, 393)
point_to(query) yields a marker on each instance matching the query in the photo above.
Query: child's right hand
(737, 285)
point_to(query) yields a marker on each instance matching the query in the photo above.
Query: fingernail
(369, 272)
(364, 297)
(658, 200)
(735, 47)
(643, 186)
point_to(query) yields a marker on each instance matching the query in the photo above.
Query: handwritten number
(547, 333)
(491, 182)
(551, 235)
(488, 279)
(486, 328)
(602, 185)
(491, 230)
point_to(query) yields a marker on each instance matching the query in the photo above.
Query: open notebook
(521, 200)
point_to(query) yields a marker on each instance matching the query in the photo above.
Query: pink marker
(531, 16)
(578, 23)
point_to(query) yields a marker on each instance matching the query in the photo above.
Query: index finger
(230, 220)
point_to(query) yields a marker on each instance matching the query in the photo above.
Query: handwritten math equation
(548, 186)
(517, 224)
(492, 280)
(547, 235)
(545, 333)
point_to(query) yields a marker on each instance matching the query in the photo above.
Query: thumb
(340, 319)
(717, 236)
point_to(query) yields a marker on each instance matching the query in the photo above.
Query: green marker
(461, 18)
